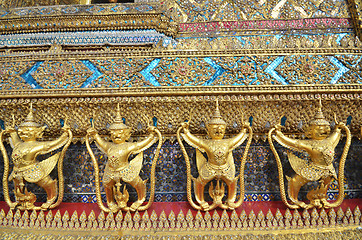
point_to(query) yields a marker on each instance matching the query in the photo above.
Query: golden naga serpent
(7, 168)
(60, 171)
(6, 172)
(189, 176)
(340, 170)
(152, 183)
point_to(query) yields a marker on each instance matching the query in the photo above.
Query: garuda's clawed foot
(316, 203)
(48, 203)
(204, 206)
(325, 203)
(136, 205)
(231, 205)
(113, 207)
(302, 204)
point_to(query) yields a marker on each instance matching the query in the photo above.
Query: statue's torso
(24, 154)
(118, 155)
(218, 151)
(323, 152)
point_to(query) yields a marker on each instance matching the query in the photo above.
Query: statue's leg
(19, 185)
(199, 186)
(51, 189)
(294, 185)
(231, 191)
(108, 188)
(322, 193)
(140, 187)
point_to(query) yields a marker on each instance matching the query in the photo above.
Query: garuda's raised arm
(192, 139)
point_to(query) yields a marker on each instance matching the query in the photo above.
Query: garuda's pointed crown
(30, 120)
(118, 122)
(216, 118)
(319, 119)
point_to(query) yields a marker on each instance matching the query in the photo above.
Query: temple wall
(166, 62)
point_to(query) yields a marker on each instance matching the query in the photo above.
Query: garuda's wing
(41, 169)
(130, 172)
(298, 164)
(200, 160)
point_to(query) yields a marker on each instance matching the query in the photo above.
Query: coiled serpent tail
(280, 172)
(188, 171)
(153, 171)
(242, 168)
(341, 170)
(96, 176)
(6, 173)
(60, 171)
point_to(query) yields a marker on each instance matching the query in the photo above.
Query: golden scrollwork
(32, 3)
(119, 170)
(219, 166)
(29, 24)
(266, 104)
(320, 149)
(48, 71)
(27, 169)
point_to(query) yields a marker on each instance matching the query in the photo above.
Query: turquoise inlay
(114, 8)
(271, 70)
(251, 120)
(154, 120)
(240, 40)
(349, 120)
(342, 70)
(2, 125)
(94, 69)
(283, 120)
(144, 8)
(100, 9)
(4, 13)
(146, 72)
(219, 71)
(340, 36)
(29, 79)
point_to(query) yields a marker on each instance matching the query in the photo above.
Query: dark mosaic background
(261, 175)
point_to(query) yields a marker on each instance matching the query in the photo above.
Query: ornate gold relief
(61, 74)
(126, 71)
(118, 170)
(333, 224)
(32, 3)
(63, 23)
(219, 166)
(27, 169)
(171, 106)
(319, 167)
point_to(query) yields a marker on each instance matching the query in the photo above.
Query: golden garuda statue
(219, 164)
(26, 167)
(118, 169)
(317, 166)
